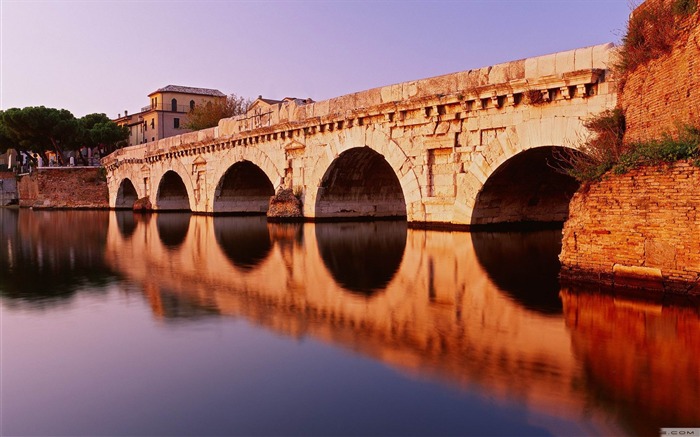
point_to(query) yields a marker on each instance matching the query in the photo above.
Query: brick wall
(666, 91)
(641, 229)
(64, 187)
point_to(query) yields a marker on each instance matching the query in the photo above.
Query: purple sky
(107, 56)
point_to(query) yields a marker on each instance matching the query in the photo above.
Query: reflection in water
(126, 221)
(172, 228)
(46, 256)
(362, 256)
(639, 357)
(606, 366)
(245, 240)
(523, 264)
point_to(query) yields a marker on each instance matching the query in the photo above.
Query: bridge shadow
(362, 257)
(524, 265)
(245, 240)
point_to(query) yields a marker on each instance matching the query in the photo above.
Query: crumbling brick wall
(637, 229)
(64, 187)
(664, 93)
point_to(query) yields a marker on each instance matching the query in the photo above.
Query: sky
(107, 56)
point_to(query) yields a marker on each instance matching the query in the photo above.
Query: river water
(172, 324)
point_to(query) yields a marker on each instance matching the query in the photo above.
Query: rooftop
(189, 90)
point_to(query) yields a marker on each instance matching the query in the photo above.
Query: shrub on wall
(651, 31)
(606, 151)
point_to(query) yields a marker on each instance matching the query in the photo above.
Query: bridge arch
(527, 189)
(244, 188)
(515, 180)
(360, 183)
(255, 162)
(172, 193)
(126, 195)
(373, 139)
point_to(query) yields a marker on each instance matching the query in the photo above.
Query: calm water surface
(115, 324)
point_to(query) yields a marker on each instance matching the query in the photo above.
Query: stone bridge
(470, 148)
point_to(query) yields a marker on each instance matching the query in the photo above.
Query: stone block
(546, 65)
(409, 90)
(391, 93)
(445, 84)
(583, 58)
(565, 62)
(601, 55)
(531, 71)
(365, 99)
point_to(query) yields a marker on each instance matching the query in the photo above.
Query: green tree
(38, 129)
(98, 130)
(209, 114)
(7, 140)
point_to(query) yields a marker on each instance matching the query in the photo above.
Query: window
(153, 123)
(176, 123)
(191, 105)
(145, 126)
(173, 103)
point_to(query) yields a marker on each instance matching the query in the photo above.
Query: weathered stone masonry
(641, 229)
(430, 145)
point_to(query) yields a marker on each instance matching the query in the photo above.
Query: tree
(7, 140)
(98, 130)
(209, 114)
(39, 129)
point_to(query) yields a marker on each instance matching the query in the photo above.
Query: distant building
(167, 113)
(260, 112)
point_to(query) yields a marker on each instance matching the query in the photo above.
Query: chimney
(126, 113)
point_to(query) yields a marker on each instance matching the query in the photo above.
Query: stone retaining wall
(64, 187)
(639, 230)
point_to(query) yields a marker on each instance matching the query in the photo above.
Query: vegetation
(665, 150)
(40, 129)
(598, 153)
(209, 114)
(651, 31)
(605, 150)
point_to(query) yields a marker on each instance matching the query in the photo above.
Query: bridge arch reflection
(172, 229)
(362, 257)
(524, 265)
(442, 315)
(360, 183)
(245, 241)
